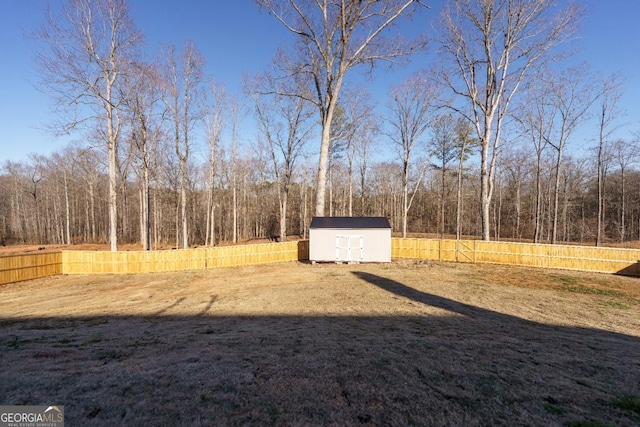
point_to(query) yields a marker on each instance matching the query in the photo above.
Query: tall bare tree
(88, 161)
(235, 111)
(214, 121)
(609, 115)
(364, 143)
(87, 44)
(410, 107)
(444, 147)
(59, 164)
(15, 171)
(335, 36)
(36, 171)
(488, 48)
(572, 95)
(625, 153)
(284, 123)
(516, 167)
(147, 117)
(184, 76)
(536, 114)
(359, 128)
(466, 145)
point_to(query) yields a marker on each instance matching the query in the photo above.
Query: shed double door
(349, 247)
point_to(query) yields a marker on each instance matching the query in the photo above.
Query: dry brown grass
(294, 344)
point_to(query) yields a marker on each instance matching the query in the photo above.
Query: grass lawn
(406, 343)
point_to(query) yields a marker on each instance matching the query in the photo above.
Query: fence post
(474, 251)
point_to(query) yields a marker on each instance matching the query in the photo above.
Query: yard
(406, 343)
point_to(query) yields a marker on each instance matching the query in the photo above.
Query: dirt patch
(407, 343)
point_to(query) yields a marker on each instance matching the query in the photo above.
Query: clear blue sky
(236, 37)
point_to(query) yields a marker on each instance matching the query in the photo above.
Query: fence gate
(464, 252)
(349, 247)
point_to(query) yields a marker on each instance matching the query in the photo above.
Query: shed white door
(349, 247)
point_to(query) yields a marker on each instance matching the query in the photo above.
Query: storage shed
(350, 239)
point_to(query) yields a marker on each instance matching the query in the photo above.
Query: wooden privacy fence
(31, 266)
(86, 262)
(602, 260)
(15, 268)
(25, 267)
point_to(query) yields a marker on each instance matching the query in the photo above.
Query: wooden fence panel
(427, 249)
(583, 258)
(133, 262)
(16, 268)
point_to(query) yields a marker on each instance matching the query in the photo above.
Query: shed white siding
(345, 239)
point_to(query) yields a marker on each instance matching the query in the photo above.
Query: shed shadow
(632, 270)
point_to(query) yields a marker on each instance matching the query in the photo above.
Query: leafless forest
(473, 145)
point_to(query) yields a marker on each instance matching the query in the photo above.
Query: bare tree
(608, 122)
(87, 45)
(88, 161)
(572, 95)
(15, 171)
(147, 116)
(284, 123)
(235, 112)
(214, 122)
(335, 36)
(183, 78)
(58, 163)
(535, 115)
(359, 128)
(410, 106)
(466, 144)
(625, 154)
(488, 48)
(444, 148)
(363, 144)
(516, 166)
(35, 172)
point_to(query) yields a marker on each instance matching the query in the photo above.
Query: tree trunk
(350, 189)
(442, 193)
(211, 208)
(459, 192)
(600, 184)
(283, 215)
(556, 199)
(113, 197)
(325, 144)
(92, 204)
(485, 201)
(622, 207)
(235, 209)
(485, 180)
(146, 212)
(405, 202)
(67, 212)
(538, 203)
(183, 203)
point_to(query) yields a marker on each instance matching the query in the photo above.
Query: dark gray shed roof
(349, 222)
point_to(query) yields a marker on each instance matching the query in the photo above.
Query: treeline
(63, 198)
(478, 143)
